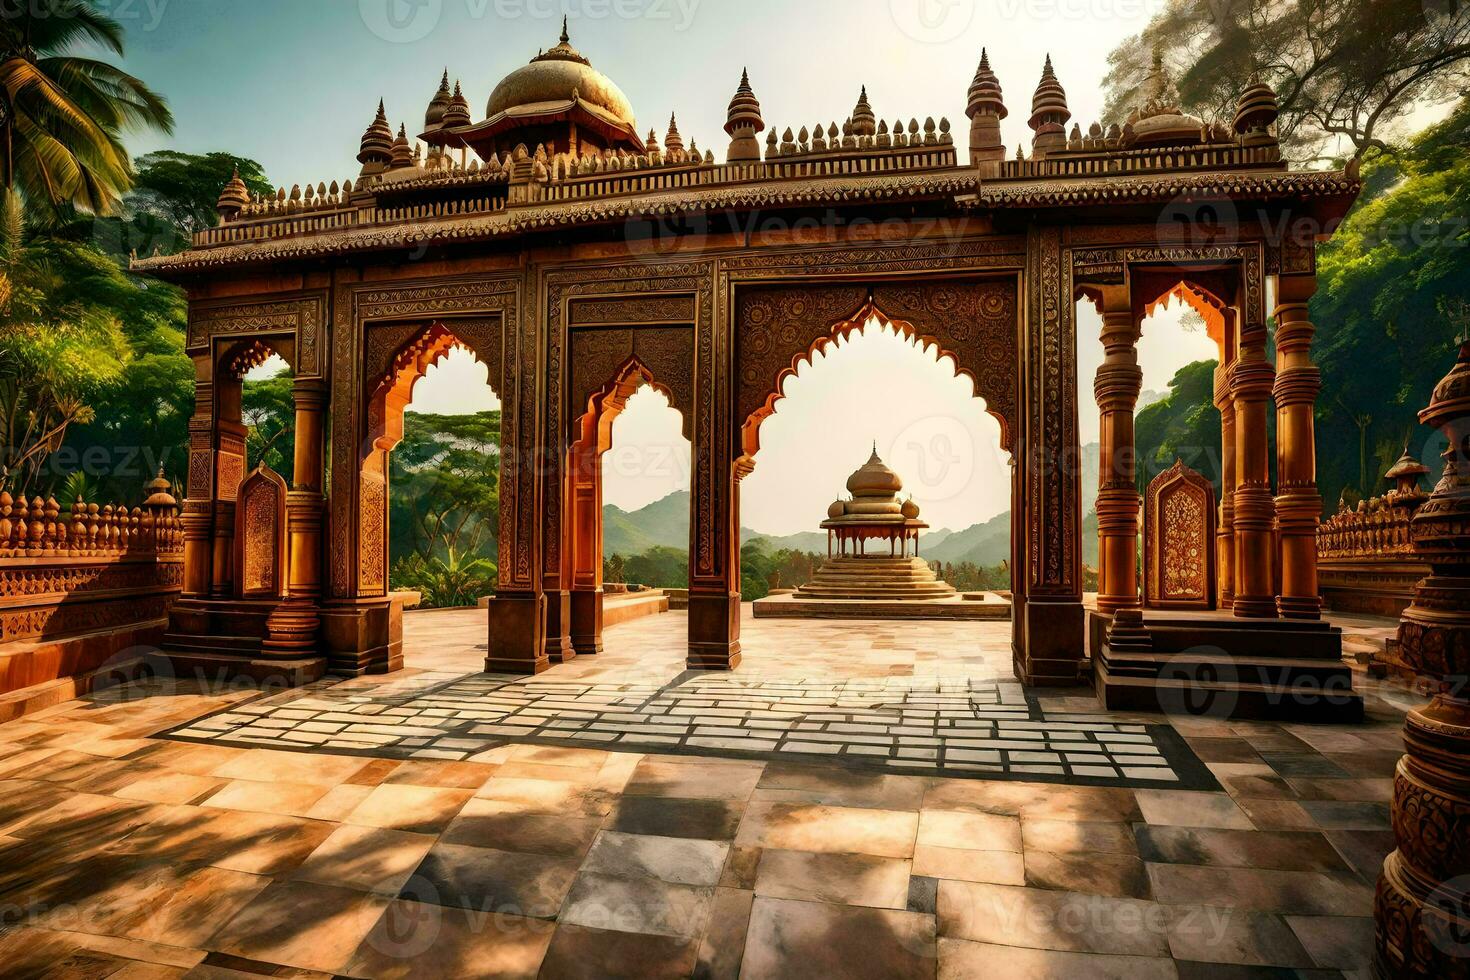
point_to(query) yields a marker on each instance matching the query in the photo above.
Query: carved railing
(82, 570)
(41, 529)
(1365, 556)
(1378, 528)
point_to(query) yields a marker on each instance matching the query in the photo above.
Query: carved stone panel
(260, 536)
(1179, 541)
(599, 356)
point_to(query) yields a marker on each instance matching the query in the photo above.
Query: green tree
(56, 353)
(268, 410)
(444, 486)
(62, 116)
(1183, 425)
(1346, 69)
(659, 568)
(1394, 285)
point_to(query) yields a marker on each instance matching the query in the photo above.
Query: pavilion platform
(968, 606)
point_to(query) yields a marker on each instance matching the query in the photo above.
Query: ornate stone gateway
(579, 259)
(1179, 541)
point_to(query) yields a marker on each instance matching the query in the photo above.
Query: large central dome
(557, 76)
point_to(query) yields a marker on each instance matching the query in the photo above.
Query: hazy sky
(293, 83)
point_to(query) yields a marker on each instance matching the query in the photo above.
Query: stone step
(1301, 699)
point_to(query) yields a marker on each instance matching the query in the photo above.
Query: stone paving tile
(518, 857)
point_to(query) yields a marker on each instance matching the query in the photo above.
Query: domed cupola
(560, 101)
(874, 479)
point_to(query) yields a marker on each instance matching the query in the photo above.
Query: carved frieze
(302, 316)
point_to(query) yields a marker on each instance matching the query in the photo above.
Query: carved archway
(592, 438)
(397, 358)
(973, 323)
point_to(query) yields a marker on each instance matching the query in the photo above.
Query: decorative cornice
(1153, 190)
(961, 184)
(568, 214)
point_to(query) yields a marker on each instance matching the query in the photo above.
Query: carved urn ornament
(1423, 904)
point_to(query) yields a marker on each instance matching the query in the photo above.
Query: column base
(363, 636)
(1254, 607)
(559, 646)
(587, 622)
(291, 630)
(517, 635)
(714, 631)
(1053, 637)
(1299, 607)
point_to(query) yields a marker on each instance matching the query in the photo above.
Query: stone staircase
(876, 578)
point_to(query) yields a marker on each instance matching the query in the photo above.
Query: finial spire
(1049, 114)
(566, 38)
(743, 122)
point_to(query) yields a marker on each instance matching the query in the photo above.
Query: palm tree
(61, 115)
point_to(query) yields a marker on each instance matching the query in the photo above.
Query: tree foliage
(63, 116)
(1346, 69)
(444, 486)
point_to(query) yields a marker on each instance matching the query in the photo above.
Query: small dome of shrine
(910, 509)
(838, 509)
(558, 76)
(874, 479)
(1160, 121)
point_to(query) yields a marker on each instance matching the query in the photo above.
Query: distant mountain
(666, 523)
(662, 523)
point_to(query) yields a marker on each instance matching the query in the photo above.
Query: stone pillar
(1298, 504)
(585, 533)
(293, 627)
(1050, 624)
(230, 435)
(714, 507)
(1423, 904)
(1119, 381)
(557, 575)
(1225, 529)
(1254, 518)
(198, 505)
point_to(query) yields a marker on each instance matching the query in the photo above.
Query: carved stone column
(293, 627)
(198, 506)
(1119, 381)
(1298, 504)
(585, 546)
(714, 505)
(229, 469)
(1225, 529)
(1254, 517)
(1423, 904)
(1050, 632)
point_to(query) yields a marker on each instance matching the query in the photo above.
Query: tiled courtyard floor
(617, 817)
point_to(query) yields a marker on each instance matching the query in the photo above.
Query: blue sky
(293, 83)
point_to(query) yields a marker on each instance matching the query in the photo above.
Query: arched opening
(875, 386)
(1155, 354)
(629, 477)
(431, 473)
(254, 421)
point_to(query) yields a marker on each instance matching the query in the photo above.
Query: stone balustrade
(82, 588)
(1366, 560)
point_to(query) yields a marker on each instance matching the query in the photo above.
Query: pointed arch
(396, 381)
(995, 388)
(1209, 292)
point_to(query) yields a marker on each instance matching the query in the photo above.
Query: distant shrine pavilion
(874, 512)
